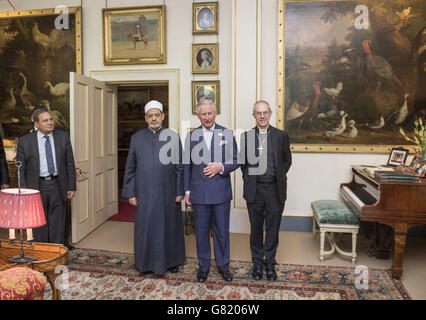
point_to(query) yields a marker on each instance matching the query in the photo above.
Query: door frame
(141, 76)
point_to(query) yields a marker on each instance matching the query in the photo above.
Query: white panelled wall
(247, 72)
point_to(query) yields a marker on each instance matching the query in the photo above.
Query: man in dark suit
(4, 172)
(265, 158)
(48, 165)
(210, 156)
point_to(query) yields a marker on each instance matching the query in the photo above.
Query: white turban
(153, 104)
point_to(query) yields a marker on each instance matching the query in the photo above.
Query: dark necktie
(49, 156)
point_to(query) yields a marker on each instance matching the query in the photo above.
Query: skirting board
(304, 224)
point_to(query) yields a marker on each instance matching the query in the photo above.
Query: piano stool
(332, 216)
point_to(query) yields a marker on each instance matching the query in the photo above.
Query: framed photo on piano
(398, 156)
(418, 166)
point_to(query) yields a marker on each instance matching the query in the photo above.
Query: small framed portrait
(205, 89)
(205, 58)
(204, 17)
(398, 156)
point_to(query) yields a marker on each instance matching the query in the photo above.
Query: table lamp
(21, 209)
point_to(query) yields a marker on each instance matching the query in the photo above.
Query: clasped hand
(212, 169)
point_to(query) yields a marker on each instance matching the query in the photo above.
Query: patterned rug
(106, 275)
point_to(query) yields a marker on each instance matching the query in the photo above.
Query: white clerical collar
(211, 128)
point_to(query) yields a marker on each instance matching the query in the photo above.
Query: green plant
(419, 135)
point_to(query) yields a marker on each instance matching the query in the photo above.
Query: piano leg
(383, 241)
(400, 238)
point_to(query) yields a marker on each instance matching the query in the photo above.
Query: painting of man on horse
(139, 36)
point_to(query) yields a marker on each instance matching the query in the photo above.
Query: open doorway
(131, 100)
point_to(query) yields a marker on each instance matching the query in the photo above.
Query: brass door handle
(82, 171)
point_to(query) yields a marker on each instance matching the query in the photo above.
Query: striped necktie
(49, 156)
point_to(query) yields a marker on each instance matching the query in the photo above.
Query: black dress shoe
(202, 276)
(69, 246)
(271, 274)
(257, 272)
(174, 269)
(226, 275)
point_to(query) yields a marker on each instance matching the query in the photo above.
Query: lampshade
(21, 210)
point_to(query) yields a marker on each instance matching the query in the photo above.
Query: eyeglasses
(260, 114)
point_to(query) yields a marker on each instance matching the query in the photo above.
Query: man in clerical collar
(265, 158)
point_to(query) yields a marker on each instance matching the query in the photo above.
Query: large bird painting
(353, 84)
(36, 55)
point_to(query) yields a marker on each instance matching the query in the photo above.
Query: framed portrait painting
(134, 35)
(350, 73)
(205, 89)
(205, 58)
(38, 50)
(205, 17)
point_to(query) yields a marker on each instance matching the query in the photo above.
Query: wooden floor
(294, 248)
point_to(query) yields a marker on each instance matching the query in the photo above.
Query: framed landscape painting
(134, 35)
(38, 50)
(131, 103)
(350, 73)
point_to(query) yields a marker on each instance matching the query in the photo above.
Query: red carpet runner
(126, 213)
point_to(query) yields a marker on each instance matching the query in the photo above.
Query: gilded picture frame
(205, 18)
(329, 45)
(38, 50)
(134, 35)
(205, 58)
(205, 89)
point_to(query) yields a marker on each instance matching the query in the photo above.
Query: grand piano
(399, 205)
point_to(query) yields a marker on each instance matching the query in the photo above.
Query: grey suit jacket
(28, 154)
(282, 158)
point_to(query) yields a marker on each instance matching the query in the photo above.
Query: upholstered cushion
(22, 283)
(333, 212)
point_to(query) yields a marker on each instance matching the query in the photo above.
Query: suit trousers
(266, 210)
(218, 215)
(54, 211)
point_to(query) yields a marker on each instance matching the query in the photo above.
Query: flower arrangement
(419, 136)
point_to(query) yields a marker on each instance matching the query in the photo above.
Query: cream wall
(247, 72)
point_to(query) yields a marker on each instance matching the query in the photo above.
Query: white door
(93, 110)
